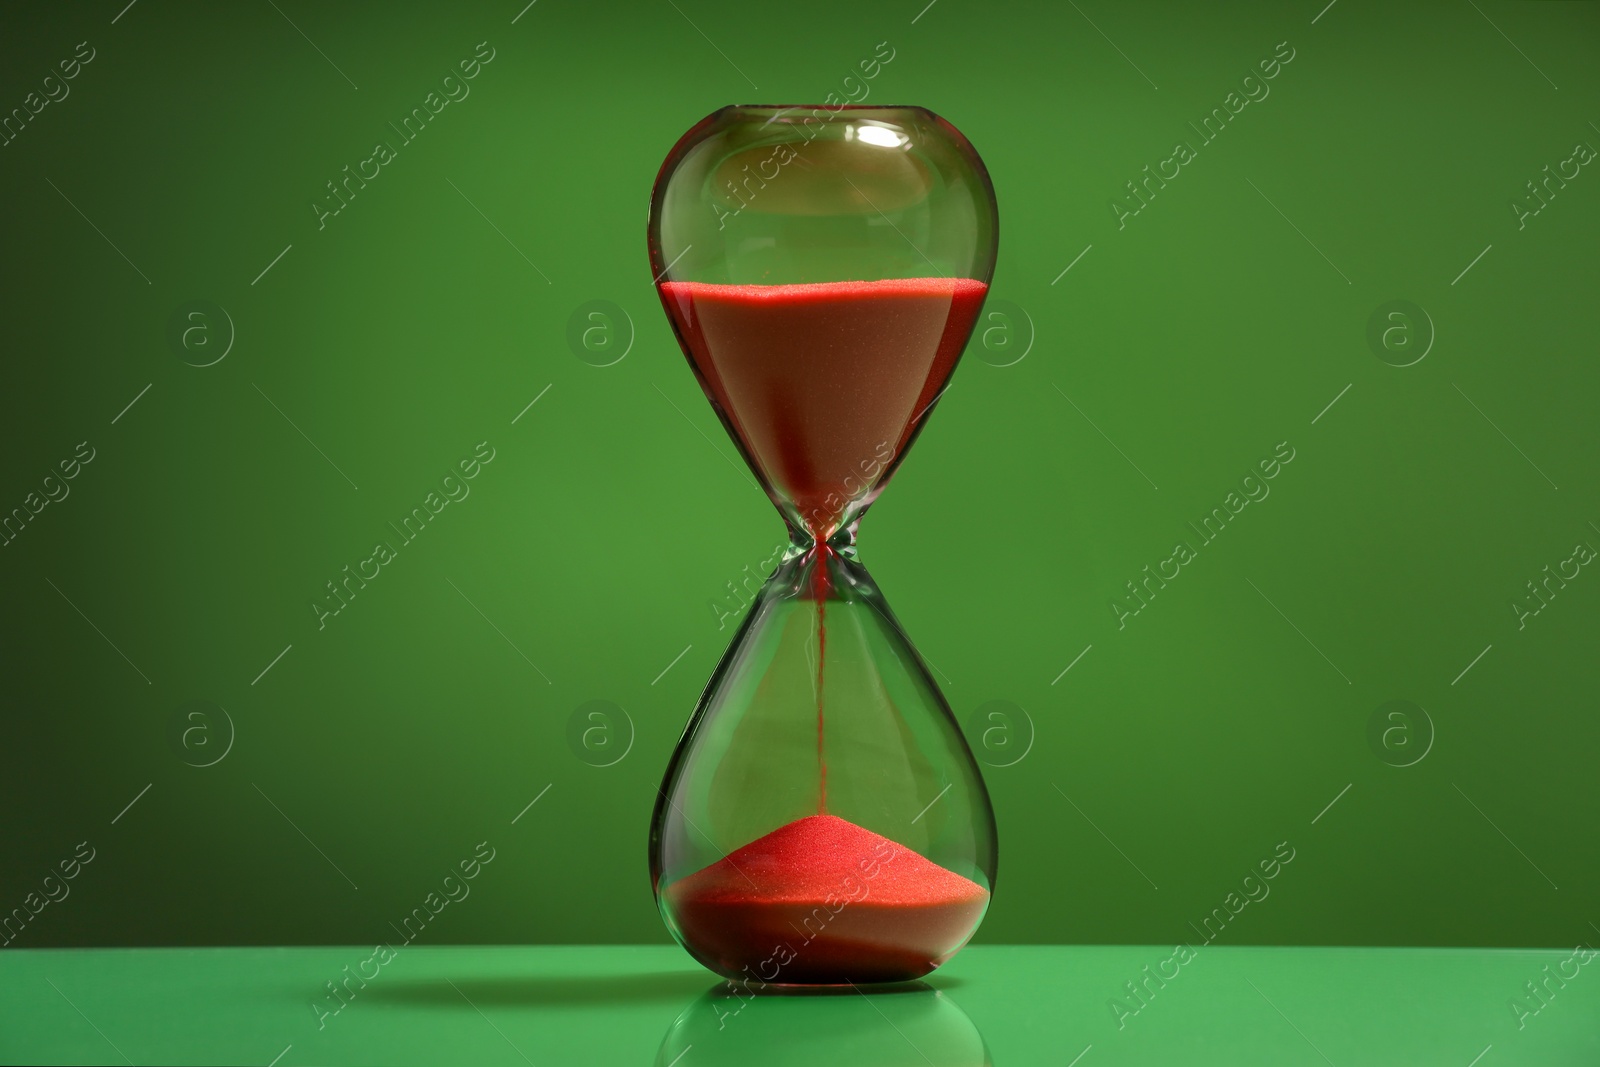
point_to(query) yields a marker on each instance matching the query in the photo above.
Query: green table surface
(645, 1005)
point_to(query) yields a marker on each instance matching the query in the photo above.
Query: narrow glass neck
(841, 542)
(822, 571)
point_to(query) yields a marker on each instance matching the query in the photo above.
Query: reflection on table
(911, 1024)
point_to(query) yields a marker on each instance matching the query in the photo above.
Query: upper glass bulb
(823, 267)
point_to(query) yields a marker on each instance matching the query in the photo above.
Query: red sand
(822, 900)
(823, 382)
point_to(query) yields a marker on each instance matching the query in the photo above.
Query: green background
(1175, 754)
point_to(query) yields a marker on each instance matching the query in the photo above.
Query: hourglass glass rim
(823, 107)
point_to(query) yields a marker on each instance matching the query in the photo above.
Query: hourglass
(822, 821)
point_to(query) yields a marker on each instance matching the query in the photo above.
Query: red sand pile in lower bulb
(824, 901)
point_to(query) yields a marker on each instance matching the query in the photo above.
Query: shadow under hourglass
(542, 991)
(910, 1023)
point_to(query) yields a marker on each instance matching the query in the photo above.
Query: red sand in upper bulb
(822, 900)
(824, 382)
